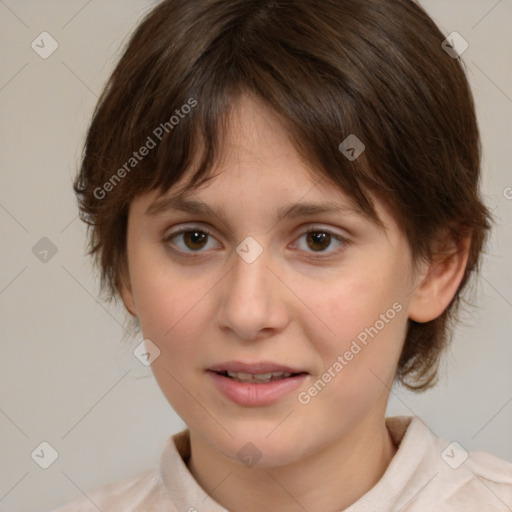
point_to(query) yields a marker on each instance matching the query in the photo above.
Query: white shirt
(426, 474)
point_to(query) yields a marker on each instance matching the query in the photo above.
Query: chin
(255, 448)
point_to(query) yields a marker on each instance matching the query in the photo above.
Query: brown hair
(328, 68)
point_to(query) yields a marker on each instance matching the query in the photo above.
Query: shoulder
(456, 479)
(489, 484)
(142, 492)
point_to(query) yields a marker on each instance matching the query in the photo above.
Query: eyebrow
(304, 209)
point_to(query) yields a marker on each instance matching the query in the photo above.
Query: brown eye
(195, 239)
(189, 240)
(192, 240)
(318, 240)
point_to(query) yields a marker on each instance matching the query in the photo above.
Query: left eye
(321, 239)
(197, 239)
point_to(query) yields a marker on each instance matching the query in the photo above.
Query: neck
(331, 479)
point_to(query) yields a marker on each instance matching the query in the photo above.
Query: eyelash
(343, 241)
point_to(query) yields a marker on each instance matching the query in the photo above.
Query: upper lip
(253, 368)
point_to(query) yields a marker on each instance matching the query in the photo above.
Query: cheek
(343, 308)
(169, 311)
(173, 305)
(358, 328)
(160, 295)
(173, 313)
(359, 360)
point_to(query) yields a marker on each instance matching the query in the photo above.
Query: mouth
(256, 384)
(258, 378)
(258, 372)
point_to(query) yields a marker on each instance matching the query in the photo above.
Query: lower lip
(256, 394)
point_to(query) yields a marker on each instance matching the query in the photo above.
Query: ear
(440, 278)
(126, 290)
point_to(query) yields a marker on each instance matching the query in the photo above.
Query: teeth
(258, 377)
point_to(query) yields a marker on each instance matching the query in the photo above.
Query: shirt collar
(404, 476)
(181, 485)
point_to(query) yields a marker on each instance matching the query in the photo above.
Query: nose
(253, 299)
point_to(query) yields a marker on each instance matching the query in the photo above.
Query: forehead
(258, 167)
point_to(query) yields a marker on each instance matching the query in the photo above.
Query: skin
(202, 304)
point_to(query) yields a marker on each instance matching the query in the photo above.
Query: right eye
(193, 239)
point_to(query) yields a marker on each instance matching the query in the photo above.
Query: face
(321, 296)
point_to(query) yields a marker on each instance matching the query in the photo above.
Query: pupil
(319, 237)
(192, 236)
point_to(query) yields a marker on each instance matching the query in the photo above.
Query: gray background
(68, 376)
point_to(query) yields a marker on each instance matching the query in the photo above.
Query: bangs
(290, 75)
